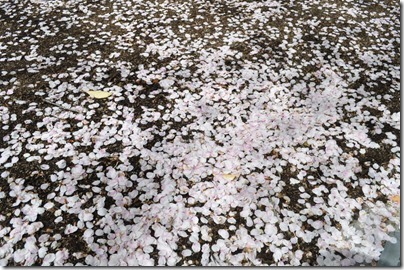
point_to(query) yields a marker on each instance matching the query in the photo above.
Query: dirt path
(236, 132)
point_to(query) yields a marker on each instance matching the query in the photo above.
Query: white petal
(50, 257)
(42, 252)
(223, 233)
(186, 253)
(271, 229)
(19, 255)
(196, 247)
(277, 254)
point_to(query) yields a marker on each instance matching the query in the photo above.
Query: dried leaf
(99, 94)
(229, 177)
(396, 198)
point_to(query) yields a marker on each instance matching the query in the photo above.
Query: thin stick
(57, 105)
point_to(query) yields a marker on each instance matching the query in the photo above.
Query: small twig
(60, 106)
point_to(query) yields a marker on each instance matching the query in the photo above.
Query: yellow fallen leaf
(99, 94)
(229, 177)
(396, 198)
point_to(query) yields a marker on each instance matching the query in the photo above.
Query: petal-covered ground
(223, 132)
